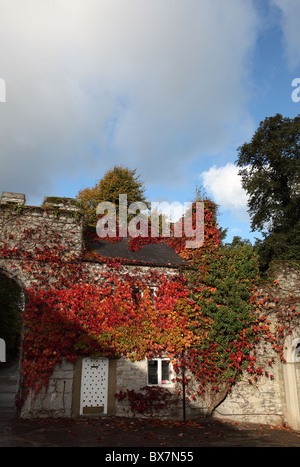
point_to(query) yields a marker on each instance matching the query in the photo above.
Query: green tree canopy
(270, 171)
(119, 180)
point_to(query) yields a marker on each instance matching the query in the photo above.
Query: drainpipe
(183, 391)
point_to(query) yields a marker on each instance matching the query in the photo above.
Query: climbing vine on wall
(209, 322)
(148, 400)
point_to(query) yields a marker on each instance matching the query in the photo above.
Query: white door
(94, 385)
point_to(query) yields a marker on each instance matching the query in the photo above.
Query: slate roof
(158, 254)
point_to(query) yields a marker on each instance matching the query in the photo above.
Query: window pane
(152, 372)
(165, 372)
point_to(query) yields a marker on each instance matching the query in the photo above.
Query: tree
(270, 171)
(119, 180)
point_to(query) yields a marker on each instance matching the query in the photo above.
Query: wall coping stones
(12, 198)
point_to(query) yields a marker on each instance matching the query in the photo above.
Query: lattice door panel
(94, 385)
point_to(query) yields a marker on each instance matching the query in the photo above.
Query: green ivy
(223, 286)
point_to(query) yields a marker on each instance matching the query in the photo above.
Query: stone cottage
(87, 387)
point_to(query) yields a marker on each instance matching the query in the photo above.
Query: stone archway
(291, 374)
(2, 350)
(295, 350)
(12, 299)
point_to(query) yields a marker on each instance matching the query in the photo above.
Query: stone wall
(34, 227)
(56, 400)
(61, 398)
(29, 229)
(58, 222)
(271, 401)
(133, 376)
(262, 402)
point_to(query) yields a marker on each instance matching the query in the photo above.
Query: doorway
(94, 386)
(11, 306)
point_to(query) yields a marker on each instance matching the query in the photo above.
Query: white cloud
(224, 184)
(93, 83)
(290, 25)
(173, 211)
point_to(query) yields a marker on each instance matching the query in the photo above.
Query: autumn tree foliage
(119, 180)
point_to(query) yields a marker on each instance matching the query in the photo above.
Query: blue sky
(169, 87)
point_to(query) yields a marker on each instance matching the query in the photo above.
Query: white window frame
(159, 373)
